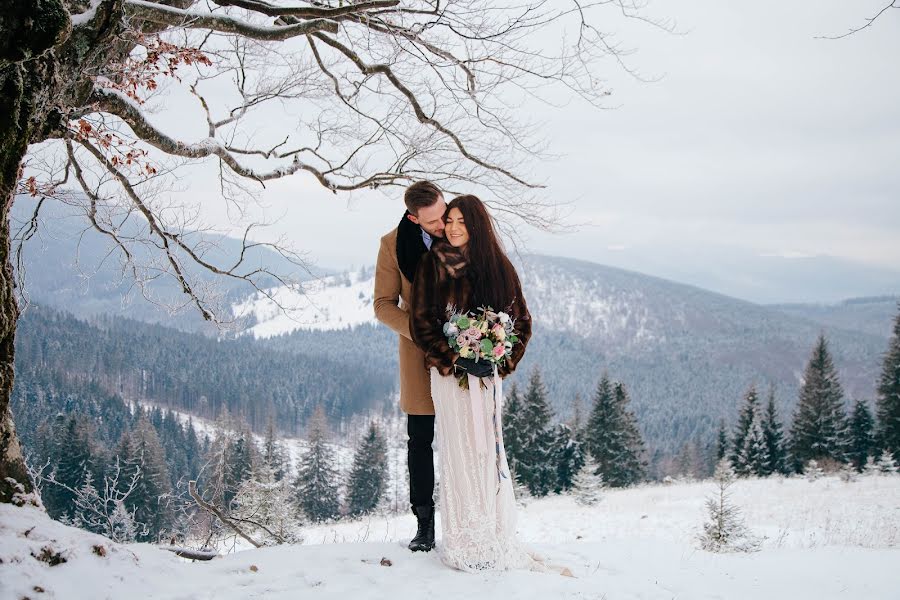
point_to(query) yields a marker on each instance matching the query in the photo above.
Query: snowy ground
(824, 539)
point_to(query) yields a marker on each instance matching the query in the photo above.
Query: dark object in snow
(386, 562)
(99, 549)
(50, 556)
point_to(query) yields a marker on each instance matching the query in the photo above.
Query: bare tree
(367, 94)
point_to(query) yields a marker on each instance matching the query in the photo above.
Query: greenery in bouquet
(479, 336)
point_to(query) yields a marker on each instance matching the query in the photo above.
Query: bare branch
(176, 17)
(192, 489)
(308, 12)
(869, 22)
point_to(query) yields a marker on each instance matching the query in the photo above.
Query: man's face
(431, 218)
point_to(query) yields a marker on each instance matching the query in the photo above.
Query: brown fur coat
(441, 280)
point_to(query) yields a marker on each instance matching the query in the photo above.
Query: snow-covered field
(824, 539)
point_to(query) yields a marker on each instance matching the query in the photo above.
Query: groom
(395, 271)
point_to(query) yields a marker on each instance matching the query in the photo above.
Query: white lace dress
(477, 507)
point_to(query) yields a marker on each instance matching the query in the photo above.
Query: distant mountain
(687, 355)
(70, 265)
(747, 274)
(869, 315)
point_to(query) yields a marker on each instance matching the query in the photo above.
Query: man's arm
(387, 292)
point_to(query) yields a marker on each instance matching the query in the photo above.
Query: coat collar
(452, 258)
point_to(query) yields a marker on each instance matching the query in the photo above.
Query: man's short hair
(421, 194)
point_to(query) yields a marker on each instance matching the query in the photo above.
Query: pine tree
(739, 439)
(316, 484)
(725, 530)
(535, 467)
(721, 442)
(513, 428)
(142, 452)
(70, 460)
(263, 505)
(567, 456)
(612, 436)
(774, 439)
(588, 483)
(812, 470)
(633, 467)
(862, 440)
(886, 463)
(273, 452)
(888, 402)
(819, 430)
(754, 456)
(239, 462)
(368, 475)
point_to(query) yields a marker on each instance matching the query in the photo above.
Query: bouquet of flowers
(483, 339)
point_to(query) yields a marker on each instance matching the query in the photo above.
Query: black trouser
(420, 459)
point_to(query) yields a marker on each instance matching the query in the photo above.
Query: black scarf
(410, 247)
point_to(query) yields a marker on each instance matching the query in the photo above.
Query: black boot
(424, 539)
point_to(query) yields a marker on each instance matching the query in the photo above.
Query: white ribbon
(477, 413)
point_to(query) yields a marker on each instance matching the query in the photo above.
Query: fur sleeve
(427, 316)
(519, 312)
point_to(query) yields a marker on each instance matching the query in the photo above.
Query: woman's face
(455, 228)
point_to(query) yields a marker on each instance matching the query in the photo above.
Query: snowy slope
(826, 540)
(328, 303)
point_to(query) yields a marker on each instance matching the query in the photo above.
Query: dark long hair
(495, 282)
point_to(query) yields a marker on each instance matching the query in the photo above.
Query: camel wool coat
(391, 303)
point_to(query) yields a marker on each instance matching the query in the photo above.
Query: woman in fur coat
(465, 271)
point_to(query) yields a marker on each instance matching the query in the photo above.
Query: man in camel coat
(395, 270)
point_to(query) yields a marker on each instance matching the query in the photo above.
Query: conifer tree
(888, 401)
(862, 440)
(264, 507)
(568, 457)
(612, 436)
(632, 467)
(886, 463)
(819, 429)
(368, 475)
(774, 439)
(754, 456)
(142, 452)
(513, 428)
(70, 460)
(725, 530)
(273, 453)
(721, 442)
(535, 467)
(316, 488)
(746, 417)
(588, 483)
(239, 462)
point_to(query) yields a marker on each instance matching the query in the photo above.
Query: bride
(466, 270)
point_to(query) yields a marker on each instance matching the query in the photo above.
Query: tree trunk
(14, 126)
(28, 31)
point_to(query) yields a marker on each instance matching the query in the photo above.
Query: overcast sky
(759, 141)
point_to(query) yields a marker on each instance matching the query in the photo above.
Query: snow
(88, 15)
(329, 303)
(559, 300)
(825, 539)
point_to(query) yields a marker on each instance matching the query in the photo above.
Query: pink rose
(499, 350)
(473, 332)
